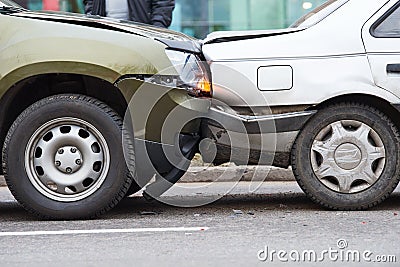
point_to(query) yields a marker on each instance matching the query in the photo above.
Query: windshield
(8, 3)
(318, 14)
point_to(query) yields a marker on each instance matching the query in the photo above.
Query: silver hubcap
(67, 159)
(348, 156)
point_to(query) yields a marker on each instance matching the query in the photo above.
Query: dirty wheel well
(32, 89)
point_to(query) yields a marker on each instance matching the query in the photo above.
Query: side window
(389, 24)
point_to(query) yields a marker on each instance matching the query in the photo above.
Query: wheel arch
(34, 88)
(49, 67)
(371, 100)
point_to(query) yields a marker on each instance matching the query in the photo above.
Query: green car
(92, 108)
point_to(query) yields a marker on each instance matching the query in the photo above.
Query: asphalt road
(233, 231)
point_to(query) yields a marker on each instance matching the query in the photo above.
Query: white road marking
(105, 231)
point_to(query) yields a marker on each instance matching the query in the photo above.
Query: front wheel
(63, 158)
(347, 157)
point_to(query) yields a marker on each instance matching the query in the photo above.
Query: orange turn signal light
(204, 86)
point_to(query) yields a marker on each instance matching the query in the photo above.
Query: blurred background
(200, 17)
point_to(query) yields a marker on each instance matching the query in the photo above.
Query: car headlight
(193, 74)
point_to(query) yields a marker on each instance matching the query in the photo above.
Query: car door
(381, 36)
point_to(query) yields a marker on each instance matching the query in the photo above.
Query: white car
(322, 96)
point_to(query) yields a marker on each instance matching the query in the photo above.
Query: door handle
(393, 68)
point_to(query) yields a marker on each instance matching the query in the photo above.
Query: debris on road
(147, 213)
(283, 206)
(237, 212)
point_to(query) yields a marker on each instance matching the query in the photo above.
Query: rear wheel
(63, 158)
(347, 157)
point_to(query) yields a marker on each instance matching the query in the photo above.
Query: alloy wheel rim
(348, 156)
(67, 159)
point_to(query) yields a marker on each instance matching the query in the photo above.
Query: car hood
(231, 36)
(172, 39)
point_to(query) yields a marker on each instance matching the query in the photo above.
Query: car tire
(341, 157)
(63, 158)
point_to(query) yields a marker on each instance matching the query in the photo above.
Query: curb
(229, 174)
(236, 173)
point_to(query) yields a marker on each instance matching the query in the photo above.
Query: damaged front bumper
(251, 140)
(166, 124)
